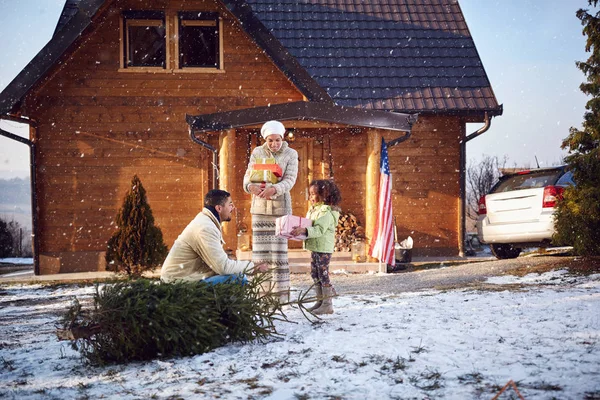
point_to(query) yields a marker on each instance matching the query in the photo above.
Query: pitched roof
(400, 55)
(395, 55)
(69, 10)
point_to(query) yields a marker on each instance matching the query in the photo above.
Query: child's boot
(327, 305)
(319, 295)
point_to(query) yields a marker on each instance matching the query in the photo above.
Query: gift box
(263, 176)
(269, 160)
(274, 168)
(284, 225)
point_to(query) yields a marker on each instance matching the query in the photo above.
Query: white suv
(518, 211)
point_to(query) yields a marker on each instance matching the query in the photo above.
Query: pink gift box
(284, 225)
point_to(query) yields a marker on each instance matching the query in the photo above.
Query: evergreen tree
(6, 240)
(578, 215)
(143, 319)
(138, 244)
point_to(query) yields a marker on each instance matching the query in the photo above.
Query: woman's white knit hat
(272, 128)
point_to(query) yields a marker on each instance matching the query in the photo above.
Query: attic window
(199, 40)
(145, 39)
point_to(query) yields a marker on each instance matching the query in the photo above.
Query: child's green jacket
(321, 235)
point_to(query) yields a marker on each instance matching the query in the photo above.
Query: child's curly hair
(328, 191)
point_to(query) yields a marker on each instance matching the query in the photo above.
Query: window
(171, 42)
(566, 179)
(199, 40)
(145, 39)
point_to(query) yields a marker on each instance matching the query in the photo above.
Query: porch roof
(301, 110)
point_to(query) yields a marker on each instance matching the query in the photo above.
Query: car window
(537, 179)
(566, 179)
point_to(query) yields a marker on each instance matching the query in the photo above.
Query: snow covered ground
(541, 331)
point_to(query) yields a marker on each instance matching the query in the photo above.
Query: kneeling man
(198, 253)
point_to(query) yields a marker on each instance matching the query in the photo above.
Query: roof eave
(475, 113)
(48, 56)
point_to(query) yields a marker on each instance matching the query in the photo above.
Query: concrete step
(298, 255)
(337, 266)
(299, 261)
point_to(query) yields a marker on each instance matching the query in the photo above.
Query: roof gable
(395, 55)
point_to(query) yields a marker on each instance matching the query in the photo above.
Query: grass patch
(471, 378)
(428, 380)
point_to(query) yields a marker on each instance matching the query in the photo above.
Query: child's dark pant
(319, 267)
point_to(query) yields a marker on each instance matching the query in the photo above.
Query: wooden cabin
(175, 91)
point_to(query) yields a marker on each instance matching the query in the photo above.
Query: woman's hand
(267, 193)
(297, 231)
(255, 189)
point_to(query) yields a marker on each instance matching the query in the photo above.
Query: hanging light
(290, 135)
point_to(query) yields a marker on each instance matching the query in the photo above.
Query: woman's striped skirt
(273, 250)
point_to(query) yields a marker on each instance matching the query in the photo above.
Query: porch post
(372, 180)
(227, 182)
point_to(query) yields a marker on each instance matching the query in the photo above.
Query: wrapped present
(269, 160)
(284, 225)
(274, 168)
(263, 176)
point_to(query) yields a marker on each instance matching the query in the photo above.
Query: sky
(528, 48)
(543, 334)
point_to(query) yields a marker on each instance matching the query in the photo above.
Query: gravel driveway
(438, 277)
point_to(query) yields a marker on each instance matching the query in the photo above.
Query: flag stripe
(382, 242)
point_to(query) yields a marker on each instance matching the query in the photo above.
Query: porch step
(299, 261)
(337, 266)
(298, 255)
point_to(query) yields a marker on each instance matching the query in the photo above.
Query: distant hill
(15, 191)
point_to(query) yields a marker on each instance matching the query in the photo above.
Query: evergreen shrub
(137, 245)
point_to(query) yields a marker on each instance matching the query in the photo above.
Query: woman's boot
(327, 305)
(319, 295)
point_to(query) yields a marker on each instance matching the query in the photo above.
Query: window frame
(142, 18)
(199, 18)
(171, 21)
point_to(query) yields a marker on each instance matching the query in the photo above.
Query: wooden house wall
(426, 185)
(98, 127)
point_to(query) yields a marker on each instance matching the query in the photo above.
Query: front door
(299, 192)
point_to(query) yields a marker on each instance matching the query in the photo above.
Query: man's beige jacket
(198, 252)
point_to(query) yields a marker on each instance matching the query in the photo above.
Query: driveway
(437, 276)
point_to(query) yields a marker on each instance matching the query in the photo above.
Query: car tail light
(481, 207)
(551, 195)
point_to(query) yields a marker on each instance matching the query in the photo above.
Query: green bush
(138, 244)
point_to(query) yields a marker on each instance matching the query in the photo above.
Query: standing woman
(271, 201)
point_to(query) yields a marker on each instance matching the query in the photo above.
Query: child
(324, 197)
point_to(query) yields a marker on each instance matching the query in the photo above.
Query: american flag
(382, 243)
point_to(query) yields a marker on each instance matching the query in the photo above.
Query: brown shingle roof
(400, 55)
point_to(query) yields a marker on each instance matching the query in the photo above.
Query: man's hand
(264, 267)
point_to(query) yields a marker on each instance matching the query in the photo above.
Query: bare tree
(481, 176)
(19, 238)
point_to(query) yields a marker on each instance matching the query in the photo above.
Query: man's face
(225, 210)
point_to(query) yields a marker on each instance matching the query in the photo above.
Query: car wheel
(505, 251)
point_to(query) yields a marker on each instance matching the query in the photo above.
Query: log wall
(98, 127)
